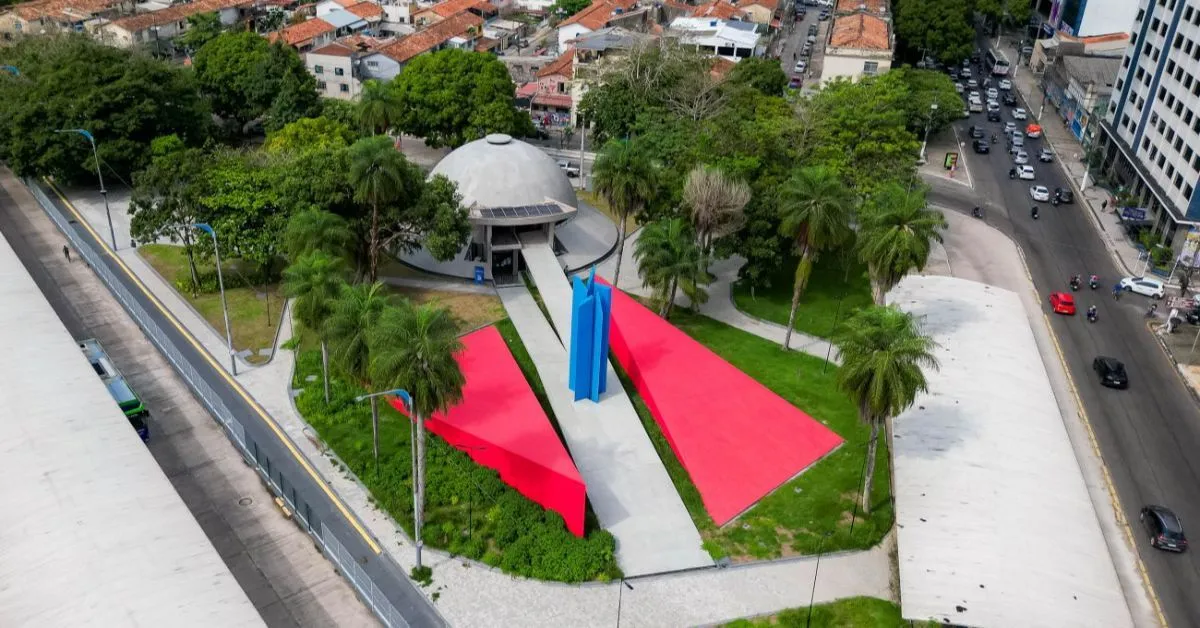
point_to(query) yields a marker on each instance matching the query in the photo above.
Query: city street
(1148, 433)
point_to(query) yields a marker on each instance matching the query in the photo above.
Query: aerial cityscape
(575, 313)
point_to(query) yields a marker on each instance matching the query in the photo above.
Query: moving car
(1017, 140)
(1009, 100)
(1019, 113)
(1020, 157)
(958, 87)
(993, 93)
(1026, 173)
(993, 106)
(976, 132)
(1045, 156)
(1111, 372)
(966, 71)
(1063, 195)
(1039, 193)
(1062, 303)
(993, 115)
(981, 147)
(1005, 84)
(1009, 127)
(1164, 527)
(1033, 130)
(1147, 286)
(972, 83)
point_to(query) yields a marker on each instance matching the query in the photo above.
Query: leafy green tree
(380, 177)
(624, 176)
(764, 75)
(884, 355)
(943, 29)
(453, 96)
(124, 99)
(202, 28)
(350, 326)
(927, 88)
(315, 280)
(379, 108)
(438, 222)
(313, 179)
(243, 206)
(317, 231)
(1001, 12)
(416, 348)
(566, 8)
(669, 259)
(896, 233)
(247, 78)
(816, 216)
(166, 197)
(271, 21)
(307, 134)
(343, 112)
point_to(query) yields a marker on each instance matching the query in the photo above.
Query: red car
(1062, 303)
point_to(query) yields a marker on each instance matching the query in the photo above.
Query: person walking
(67, 253)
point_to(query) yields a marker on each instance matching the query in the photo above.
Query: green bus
(126, 399)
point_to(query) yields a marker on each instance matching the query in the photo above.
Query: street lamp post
(928, 121)
(221, 285)
(418, 474)
(812, 596)
(103, 192)
(620, 596)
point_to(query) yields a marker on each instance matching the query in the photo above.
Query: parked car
(1164, 527)
(1062, 303)
(800, 67)
(1148, 286)
(1111, 371)
(796, 82)
(806, 50)
(1005, 84)
(1033, 130)
(1019, 113)
(1063, 195)
(1009, 100)
(1039, 192)
(570, 168)
(1020, 157)
(1026, 173)
(981, 147)
(824, 15)
(1045, 156)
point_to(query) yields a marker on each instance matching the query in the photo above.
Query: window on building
(1187, 153)
(1187, 117)
(1125, 121)
(318, 69)
(1187, 14)
(1153, 152)
(1179, 108)
(1141, 14)
(1162, 126)
(1154, 118)
(1162, 92)
(1171, 66)
(1155, 23)
(1145, 143)
(321, 85)
(339, 71)
(1155, 55)
(1187, 191)
(1196, 162)
(1146, 48)
(372, 64)
(344, 88)
(1178, 182)
(1120, 82)
(1125, 62)
(871, 68)
(1170, 170)
(1141, 72)
(1162, 159)
(1178, 144)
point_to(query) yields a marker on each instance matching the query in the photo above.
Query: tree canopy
(942, 29)
(248, 79)
(925, 88)
(762, 74)
(453, 96)
(124, 99)
(308, 134)
(202, 28)
(567, 8)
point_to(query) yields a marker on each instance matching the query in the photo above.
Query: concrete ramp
(628, 486)
(551, 281)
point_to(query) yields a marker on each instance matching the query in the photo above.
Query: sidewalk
(941, 143)
(472, 594)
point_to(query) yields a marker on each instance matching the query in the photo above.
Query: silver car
(1020, 157)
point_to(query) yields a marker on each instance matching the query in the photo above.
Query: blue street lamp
(221, 284)
(418, 470)
(103, 192)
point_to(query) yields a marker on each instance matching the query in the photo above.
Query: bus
(126, 399)
(997, 63)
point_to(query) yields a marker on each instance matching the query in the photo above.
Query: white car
(1009, 127)
(966, 73)
(1039, 193)
(1026, 172)
(993, 105)
(1019, 113)
(1148, 286)
(973, 95)
(1005, 84)
(993, 93)
(972, 83)
(958, 87)
(801, 66)
(1020, 157)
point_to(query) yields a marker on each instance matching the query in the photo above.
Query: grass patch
(854, 612)
(793, 518)
(601, 205)
(837, 288)
(253, 314)
(470, 310)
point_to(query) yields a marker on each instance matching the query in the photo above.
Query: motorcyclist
(977, 213)
(1034, 212)
(1091, 313)
(1094, 281)
(993, 138)
(1153, 309)
(1074, 282)
(1012, 173)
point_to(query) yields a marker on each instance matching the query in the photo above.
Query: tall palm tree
(626, 179)
(883, 356)
(897, 230)
(315, 280)
(415, 348)
(668, 259)
(378, 174)
(378, 107)
(349, 327)
(317, 230)
(716, 203)
(816, 216)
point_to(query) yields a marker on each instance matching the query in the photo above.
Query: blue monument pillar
(591, 314)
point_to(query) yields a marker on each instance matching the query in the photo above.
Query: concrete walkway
(441, 285)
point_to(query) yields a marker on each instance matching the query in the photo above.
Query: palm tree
(378, 107)
(816, 216)
(378, 174)
(715, 202)
(883, 353)
(316, 230)
(668, 259)
(315, 280)
(415, 348)
(624, 176)
(349, 327)
(897, 231)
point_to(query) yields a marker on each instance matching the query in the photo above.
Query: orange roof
(770, 5)
(720, 9)
(304, 31)
(346, 4)
(366, 10)
(876, 7)
(175, 13)
(335, 49)
(564, 65)
(430, 38)
(861, 31)
(598, 13)
(454, 7)
(64, 9)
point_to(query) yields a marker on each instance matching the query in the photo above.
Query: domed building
(516, 194)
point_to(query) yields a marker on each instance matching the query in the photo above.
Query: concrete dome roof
(498, 171)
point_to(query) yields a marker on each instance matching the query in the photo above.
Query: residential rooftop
(175, 13)
(430, 38)
(860, 31)
(598, 13)
(874, 7)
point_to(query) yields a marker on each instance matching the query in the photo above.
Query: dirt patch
(471, 310)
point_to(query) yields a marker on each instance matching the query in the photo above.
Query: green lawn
(252, 327)
(855, 612)
(793, 518)
(838, 286)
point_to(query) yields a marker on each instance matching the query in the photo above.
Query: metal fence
(236, 433)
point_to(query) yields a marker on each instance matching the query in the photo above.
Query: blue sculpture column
(591, 314)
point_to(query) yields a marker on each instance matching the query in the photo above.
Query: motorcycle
(1093, 282)
(1074, 285)
(1091, 315)
(1054, 201)
(1012, 173)
(978, 213)
(1153, 311)
(1034, 212)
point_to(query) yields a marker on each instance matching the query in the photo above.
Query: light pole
(928, 121)
(220, 284)
(103, 192)
(419, 470)
(620, 595)
(812, 596)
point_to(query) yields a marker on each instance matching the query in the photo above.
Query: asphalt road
(400, 591)
(1149, 434)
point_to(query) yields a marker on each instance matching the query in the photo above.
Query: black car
(975, 57)
(1009, 100)
(976, 132)
(981, 147)
(1164, 528)
(1111, 371)
(993, 116)
(1063, 195)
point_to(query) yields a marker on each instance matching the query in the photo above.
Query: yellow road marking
(287, 442)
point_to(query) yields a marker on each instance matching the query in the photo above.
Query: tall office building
(1151, 131)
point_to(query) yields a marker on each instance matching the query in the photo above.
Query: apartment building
(860, 44)
(1150, 135)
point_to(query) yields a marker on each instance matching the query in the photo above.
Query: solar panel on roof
(522, 211)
